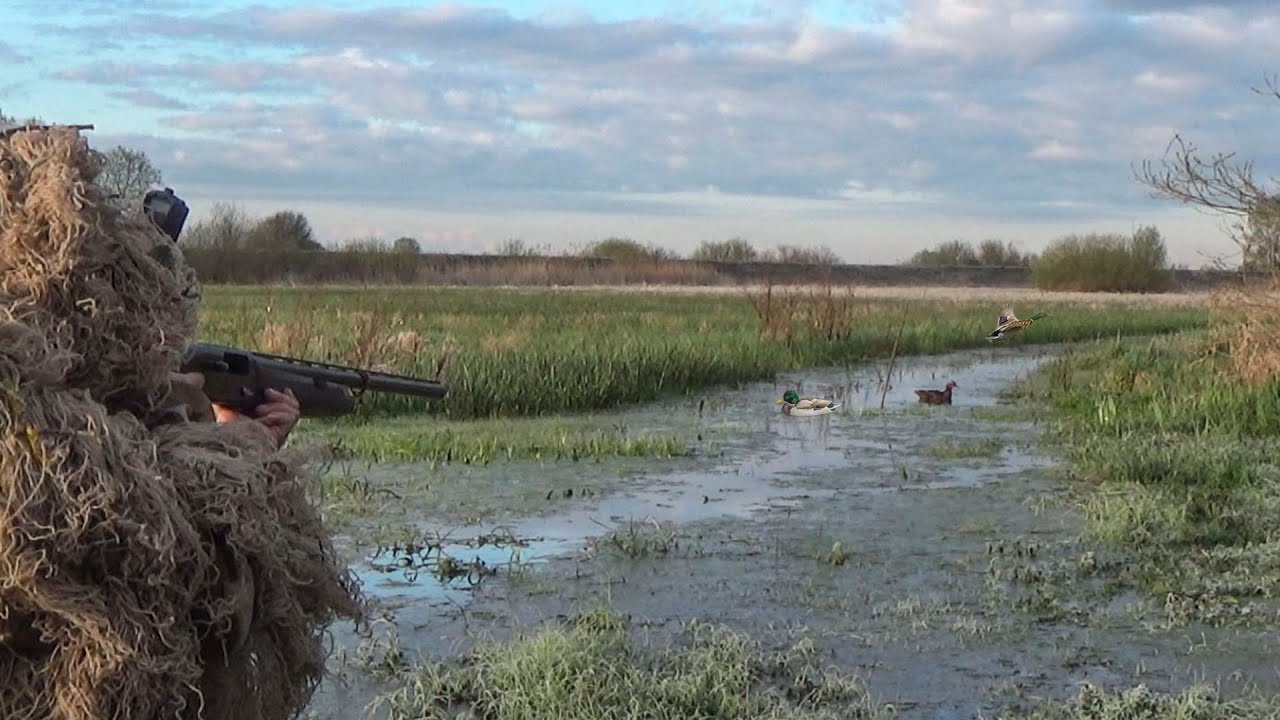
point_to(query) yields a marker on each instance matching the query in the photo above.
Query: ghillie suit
(150, 567)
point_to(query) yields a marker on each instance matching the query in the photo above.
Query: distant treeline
(230, 248)
(379, 268)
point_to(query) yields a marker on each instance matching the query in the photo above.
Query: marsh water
(932, 508)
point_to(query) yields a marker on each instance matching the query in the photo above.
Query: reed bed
(530, 352)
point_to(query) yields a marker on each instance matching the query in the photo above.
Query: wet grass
(592, 668)
(480, 442)
(1199, 702)
(523, 352)
(1182, 488)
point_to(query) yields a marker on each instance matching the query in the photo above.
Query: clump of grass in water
(592, 669)
(643, 541)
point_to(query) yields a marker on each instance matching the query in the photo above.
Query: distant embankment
(381, 268)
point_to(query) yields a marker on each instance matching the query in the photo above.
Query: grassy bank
(511, 353)
(1178, 448)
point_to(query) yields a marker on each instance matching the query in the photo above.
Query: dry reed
(1247, 326)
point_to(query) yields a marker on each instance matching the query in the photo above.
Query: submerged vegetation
(509, 353)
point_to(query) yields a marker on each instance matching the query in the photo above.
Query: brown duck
(937, 397)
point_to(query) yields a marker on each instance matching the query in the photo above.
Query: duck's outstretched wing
(1005, 316)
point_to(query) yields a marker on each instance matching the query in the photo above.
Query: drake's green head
(790, 397)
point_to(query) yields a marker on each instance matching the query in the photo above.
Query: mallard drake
(792, 404)
(937, 397)
(1008, 324)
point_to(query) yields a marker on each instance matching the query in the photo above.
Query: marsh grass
(521, 352)
(592, 668)
(1198, 702)
(1180, 452)
(641, 540)
(481, 442)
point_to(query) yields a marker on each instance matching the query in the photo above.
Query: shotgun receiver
(239, 379)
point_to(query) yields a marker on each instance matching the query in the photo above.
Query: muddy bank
(929, 549)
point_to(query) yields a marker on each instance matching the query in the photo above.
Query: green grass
(592, 669)
(536, 352)
(480, 442)
(1182, 463)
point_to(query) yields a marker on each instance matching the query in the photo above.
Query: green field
(519, 353)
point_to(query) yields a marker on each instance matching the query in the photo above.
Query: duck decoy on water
(1008, 324)
(792, 404)
(937, 397)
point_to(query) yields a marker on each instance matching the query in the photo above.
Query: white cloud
(1008, 110)
(1168, 82)
(1056, 150)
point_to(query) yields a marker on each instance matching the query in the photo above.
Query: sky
(875, 128)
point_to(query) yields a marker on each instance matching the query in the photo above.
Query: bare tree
(1261, 235)
(517, 247)
(366, 244)
(732, 250)
(227, 228)
(802, 255)
(1221, 184)
(127, 174)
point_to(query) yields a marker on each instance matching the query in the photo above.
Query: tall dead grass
(820, 312)
(1247, 328)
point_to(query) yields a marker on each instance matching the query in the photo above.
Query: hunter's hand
(277, 415)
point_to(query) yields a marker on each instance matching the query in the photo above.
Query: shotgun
(239, 378)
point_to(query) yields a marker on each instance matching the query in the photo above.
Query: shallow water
(912, 608)
(766, 452)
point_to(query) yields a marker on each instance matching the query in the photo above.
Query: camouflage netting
(146, 571)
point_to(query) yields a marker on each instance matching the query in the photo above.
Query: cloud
(1056, 150)
(9, 55)
(151, 99)
(1006, 109)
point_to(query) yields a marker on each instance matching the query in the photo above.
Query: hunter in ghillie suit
(151, 565)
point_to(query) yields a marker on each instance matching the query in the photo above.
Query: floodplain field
(609, 517)
(513, 353)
